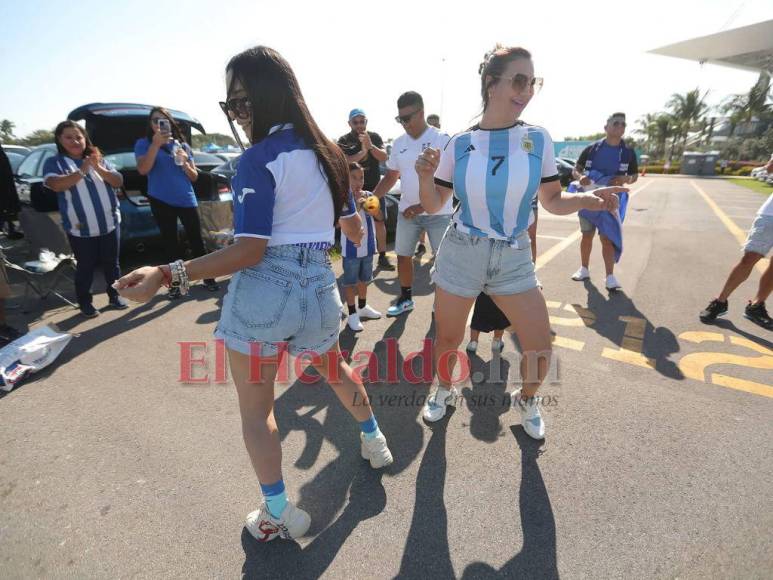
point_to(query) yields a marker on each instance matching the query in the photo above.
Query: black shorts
(487, 316)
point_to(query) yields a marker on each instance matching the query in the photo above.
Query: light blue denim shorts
(467, 265)
(760, 238)
(409, 230)
(290, 297)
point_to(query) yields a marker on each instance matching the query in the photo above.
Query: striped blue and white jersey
(367, 246)
(90, 207)
(495, 175)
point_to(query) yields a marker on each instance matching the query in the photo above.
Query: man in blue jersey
(616, 161)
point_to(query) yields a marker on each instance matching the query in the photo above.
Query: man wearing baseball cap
(367, 148)
(613, 160)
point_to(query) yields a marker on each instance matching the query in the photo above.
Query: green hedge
(675, 168)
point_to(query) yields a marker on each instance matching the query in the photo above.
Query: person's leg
(166, 219)
(381, 239)
(498, 334)
(351, 267)
(405, 245)
(608, 252)
(739, 274)
(362, 294)
(405, 271)
(533, 238)
(765, 286)
(86, 251)
(108, 257)
(474, 335)
(528, 315)
(586, 245)
(451, 314)
(189, 216)
(365, 277)
(349, 295)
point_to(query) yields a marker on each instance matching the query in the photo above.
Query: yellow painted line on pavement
(742, 385)
(739, 234)
(551, 237)
(569, 343)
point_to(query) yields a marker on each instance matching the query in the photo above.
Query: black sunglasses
(521, 82)
(618, 124)
(404, 119)
(241, 107)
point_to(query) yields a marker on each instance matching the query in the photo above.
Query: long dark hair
(494, 64)
(177, 133)
(276, 99)
(88, 150)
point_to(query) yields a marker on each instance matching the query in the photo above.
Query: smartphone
(164, 126)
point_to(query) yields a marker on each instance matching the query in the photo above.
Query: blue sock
(370, 428)
(275, 496)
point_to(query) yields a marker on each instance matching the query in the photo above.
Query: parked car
(226, 155)
(206, 161)
(114, 128)
(15, 159)
(228, 168)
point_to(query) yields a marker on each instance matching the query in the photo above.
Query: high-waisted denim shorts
(290, 297)
(467, 265)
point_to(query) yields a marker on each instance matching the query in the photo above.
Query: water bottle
(176, 149)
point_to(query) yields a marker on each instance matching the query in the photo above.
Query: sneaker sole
(757, 322)
(710, 320)
(451, 403)
(580, 279)
(399, 313)
(369, 317)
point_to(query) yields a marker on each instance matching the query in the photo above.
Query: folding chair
(43, 283)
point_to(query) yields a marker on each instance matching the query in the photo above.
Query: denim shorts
(467, 265)
(409, 230)
(289, 297)
(358, 270)
(760, 238)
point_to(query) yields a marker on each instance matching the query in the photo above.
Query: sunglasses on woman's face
(522, 83)
(405, 119)
(241, 107)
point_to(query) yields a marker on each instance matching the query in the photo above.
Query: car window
(121, 161)
(47, 154)
(15, 159)
(206, 159)
(30, 163)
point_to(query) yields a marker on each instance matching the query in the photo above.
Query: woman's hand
(160, 138)
(182, 154)
(427, 163)
(141, 284)
(606, 199)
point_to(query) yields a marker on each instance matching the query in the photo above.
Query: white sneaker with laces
(437, 402)
(531, 418)
(472, 346)
(264, 527)
(368, 313)
(497, 346)
(582, 274)
(612, 283)
(354, 323)
(376, 451)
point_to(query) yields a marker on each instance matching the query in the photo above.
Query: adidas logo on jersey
(470, 147)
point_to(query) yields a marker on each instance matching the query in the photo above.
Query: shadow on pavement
(659, 343)
(488, 399)
(537, 558)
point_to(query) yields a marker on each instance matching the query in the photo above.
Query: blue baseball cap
(356, 113)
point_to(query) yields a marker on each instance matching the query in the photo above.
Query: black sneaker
(421, 249)
(758, 315)
(713, 310)
(211, 285)
(119, 303)
(385, 264)
(89, 311)
(9, 333)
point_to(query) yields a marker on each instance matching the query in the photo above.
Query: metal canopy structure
(748, 48)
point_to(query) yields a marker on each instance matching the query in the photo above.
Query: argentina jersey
(90, 207)
(367, 245)
(495, 175)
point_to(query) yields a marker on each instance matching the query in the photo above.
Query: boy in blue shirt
(358, 258)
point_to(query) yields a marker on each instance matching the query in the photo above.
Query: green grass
(754, 185)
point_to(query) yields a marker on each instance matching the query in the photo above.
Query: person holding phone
(290, 189)
(85, 184)
(167, 160)
(495, 169)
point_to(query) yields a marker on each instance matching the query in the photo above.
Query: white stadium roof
(749, 48)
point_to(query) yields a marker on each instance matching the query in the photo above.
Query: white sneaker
(472, 346)
(531, 418)
(264, 527)
(437, 402)
(581, 274)
(376, 451)
(539, 284)
(612, 283)
(497, 346)
(368, 313)
(354, 323)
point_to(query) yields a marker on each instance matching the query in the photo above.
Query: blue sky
(592, 55)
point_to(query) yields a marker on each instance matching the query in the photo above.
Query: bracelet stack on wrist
(179, 277)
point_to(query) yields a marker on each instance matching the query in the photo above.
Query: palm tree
(754, 104)
(6, 129)
(687, 110)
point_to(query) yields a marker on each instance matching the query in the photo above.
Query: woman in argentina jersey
(289, 189)
(495, 169)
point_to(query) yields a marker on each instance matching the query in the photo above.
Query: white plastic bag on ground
(29, 354)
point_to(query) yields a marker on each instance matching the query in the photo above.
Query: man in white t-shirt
(411, 218)
(758, 244)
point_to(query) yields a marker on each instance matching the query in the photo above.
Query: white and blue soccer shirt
(90, 207)
(367, 245)
(281, 193)
(495, 175)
